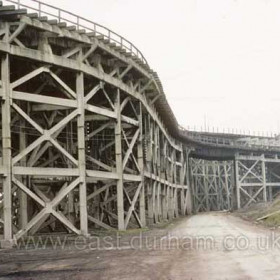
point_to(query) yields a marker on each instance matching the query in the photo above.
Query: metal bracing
(212, 185)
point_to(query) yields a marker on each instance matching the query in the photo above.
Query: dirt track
(234, 249)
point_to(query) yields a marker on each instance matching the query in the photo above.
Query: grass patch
(272, 221)
(259, 210)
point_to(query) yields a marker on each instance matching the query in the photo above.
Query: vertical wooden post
(150, 203)
(189, 198)
(264, 179)
(270, 194)
(6, 153)
(218, 185)
(206, 184)
(81, 154)
(176, 212)
(168, 205)
(182, 182)
(141, 166)
(226, 186)
(149, 147)
(154, 201)
(159, 193)
(119, 165)
(71, 208)
(70, 202)
(176, 206)
(164, 203)
(231, 185)
(150, 143)
(23, 218)
(237, 183)
(171, 205)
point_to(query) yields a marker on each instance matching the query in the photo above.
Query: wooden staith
(89, 140)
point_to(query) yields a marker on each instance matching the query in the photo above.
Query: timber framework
(82, 144)
(89, 141)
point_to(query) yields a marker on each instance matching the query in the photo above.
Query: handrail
(253, 142)
(97, 29)
(80, 22)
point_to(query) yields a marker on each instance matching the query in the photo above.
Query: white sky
(218, 60)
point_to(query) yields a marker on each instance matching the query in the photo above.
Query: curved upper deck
(127, 48)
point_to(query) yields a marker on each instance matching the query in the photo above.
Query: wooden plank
(74, 65)
(28, 192)
(45, 171)
(130, 148)
(119, 165)
(25, 116)
(101, 175)
(101, 111)
(19, 95)
(99, 223)
(29, 76)
(268, 215)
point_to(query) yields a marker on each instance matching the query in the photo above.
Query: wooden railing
(81, 23)
(227, 140)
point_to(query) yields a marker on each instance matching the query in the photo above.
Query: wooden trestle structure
(88, 138)
(82, 143)
(212, 183)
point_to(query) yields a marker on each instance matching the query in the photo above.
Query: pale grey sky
(218, 60)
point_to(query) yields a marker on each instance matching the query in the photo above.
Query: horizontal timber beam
(46, 171)
(77, 66)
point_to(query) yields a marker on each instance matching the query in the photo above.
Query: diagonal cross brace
(48, 136)
(249, 170)
(132, 206)
(48, 207)
(130, 147)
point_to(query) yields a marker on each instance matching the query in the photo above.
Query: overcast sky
(218, 60)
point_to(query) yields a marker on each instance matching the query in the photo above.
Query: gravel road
(205, 246)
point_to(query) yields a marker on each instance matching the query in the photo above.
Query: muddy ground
(204, 246)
